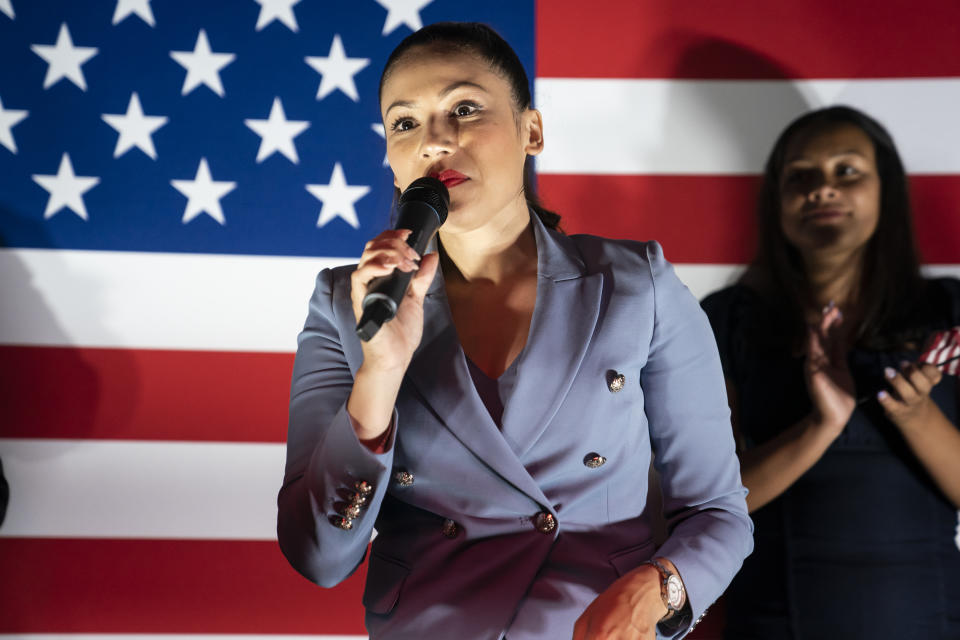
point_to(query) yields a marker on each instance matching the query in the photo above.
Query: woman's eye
(402, 124)
(845, 170)
(464, 110)
(799, 180)
(796, 177)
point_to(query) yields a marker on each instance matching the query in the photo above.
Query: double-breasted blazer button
(593, 460)
(347, 510)
(545, 522)
(363, 487)
(450, 528)
(341, 523)
(356, 498)
(403, 478)
(616, 381)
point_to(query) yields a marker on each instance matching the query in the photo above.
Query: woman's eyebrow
(443, 92)
(848, 152)
(461, 83)
(398, 103)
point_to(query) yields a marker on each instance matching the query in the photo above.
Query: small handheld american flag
(943, 350)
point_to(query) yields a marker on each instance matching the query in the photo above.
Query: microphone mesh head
(432, 192)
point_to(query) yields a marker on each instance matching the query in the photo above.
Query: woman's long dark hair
(482, 41)
(891, 287)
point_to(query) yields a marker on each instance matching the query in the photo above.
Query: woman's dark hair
(891, 287)
(482, 41)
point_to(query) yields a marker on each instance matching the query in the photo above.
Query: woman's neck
(834, 277)
(496, 252)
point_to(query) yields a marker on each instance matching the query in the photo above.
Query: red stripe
(166, 586)
(935, 206)
(704, 219)
(710, 219)
(64, 392)
(748, 39)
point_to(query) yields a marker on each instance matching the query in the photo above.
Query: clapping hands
(827, 375)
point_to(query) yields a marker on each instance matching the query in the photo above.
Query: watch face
(674, 592)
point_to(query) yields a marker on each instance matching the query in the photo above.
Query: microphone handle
(385, 293)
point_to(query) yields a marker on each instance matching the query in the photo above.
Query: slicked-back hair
(480, 40)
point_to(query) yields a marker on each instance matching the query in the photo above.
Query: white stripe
(155, 300)
(184, 301)
(703, 279)
(118, 489)
(942, 270)
(167, 636)
(629, 126)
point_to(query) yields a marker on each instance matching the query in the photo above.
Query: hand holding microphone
(387, 291)
(422, 209)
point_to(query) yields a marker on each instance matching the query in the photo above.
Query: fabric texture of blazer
(464, 547)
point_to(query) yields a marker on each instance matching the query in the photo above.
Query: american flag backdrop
(174, 173)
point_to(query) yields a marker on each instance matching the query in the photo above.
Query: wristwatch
(671, 589)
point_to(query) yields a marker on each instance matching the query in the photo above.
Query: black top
(863, 545)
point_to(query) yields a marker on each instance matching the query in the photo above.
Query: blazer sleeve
(325, 460)
(709, 531)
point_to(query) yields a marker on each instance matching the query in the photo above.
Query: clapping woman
(848, 446)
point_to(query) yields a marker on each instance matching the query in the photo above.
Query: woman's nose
(440, 138)
(824, 191)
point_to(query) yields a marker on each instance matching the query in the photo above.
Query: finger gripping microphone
(422, 209)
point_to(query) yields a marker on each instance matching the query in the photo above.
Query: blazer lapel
(564, 319)
(439, 372)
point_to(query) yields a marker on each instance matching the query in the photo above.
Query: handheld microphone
(422, 209)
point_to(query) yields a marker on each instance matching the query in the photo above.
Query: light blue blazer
(455, 501)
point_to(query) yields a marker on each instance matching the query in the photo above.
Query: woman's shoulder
(947, 285)
(945, 292)
(599, 244)
(334, 278)
(736, 299)
(600, 253)
(331, 294)
(743, 323)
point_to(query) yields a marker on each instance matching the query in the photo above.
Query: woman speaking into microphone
(497, 432)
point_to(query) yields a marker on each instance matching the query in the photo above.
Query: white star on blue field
(176, 126)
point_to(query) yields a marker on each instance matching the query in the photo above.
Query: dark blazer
(463, 510)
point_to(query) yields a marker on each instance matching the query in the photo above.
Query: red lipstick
(449, 177)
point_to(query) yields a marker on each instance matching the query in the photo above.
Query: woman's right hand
(828, 378)
(391, 349)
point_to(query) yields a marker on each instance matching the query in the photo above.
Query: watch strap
(665, 575)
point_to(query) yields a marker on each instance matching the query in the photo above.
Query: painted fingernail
(890, 372)
(882, 395)
(830, 305)
(904, 364)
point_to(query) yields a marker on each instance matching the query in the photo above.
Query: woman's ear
(533, 130)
